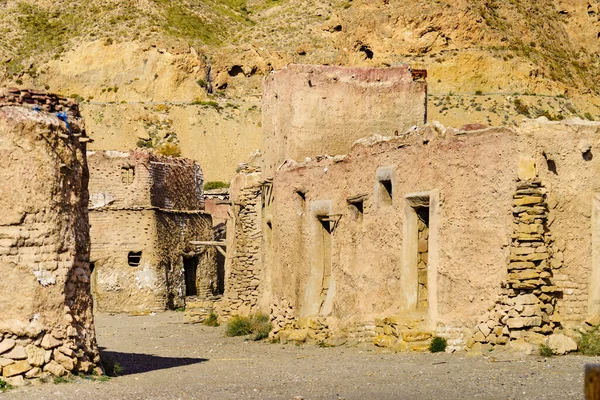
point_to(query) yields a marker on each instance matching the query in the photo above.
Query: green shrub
(545, 351)
(4, 386)
(588, 116)
(144, 144)
(589, 344)
(261, 326)
(258, 325)
(212, 320)
(478, 93)
(112, 367)
(239, 326)
(61, 379)
(207, 104)
(438, 344)
(521, 107)
(169, 149)
(215, 185)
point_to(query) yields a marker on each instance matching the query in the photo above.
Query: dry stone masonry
(40, 100)
(46, 322)
(526, 310)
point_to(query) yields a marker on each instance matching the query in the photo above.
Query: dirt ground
(164, 358)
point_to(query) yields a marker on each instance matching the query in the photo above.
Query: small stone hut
(46, 322)
(145, 212)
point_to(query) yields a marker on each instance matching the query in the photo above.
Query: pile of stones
(45, 101)
(282, 316)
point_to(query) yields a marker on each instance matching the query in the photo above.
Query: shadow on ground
(117, 363)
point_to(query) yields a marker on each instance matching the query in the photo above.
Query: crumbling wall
(310, 110)
(473, 176)
(151, 207)
(46, 321)
(176, 231)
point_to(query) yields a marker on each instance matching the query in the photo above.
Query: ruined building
(486, 237)
(46, 322)
(145, 212)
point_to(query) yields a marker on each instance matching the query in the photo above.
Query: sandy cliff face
(151, 52)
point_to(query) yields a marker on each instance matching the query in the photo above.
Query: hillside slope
(489, 61)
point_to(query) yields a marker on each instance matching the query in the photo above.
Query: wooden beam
(207, 243)
(222, 251)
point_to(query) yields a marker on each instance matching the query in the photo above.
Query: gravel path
(164, 358)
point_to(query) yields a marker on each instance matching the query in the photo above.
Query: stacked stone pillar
(525, 309)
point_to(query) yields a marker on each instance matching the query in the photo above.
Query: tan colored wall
(473, 178)
(310, 110)
(145, 203)
(46, 321)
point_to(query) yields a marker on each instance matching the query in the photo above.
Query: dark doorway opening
(422, 257)
(190, 267)
(220, 273)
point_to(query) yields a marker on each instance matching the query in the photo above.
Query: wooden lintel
(207, 243)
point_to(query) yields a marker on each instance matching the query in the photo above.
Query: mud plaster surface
(166, 359)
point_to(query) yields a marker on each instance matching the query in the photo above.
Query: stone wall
(525, 311)
(243, 272)
(46, 321)
(149, 207)
(310, 110)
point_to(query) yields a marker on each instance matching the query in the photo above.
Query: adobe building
(46, 321)
(145, 212)
(486, 237)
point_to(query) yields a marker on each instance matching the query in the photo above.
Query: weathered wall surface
(470, 179)
(310, 110)
(150, 207)
(46, 322)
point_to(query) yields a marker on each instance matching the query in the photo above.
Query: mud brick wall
(310, 110)
(46, 321)
(149, 204)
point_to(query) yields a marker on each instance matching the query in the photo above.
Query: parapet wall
(310, 110)
(46, 321)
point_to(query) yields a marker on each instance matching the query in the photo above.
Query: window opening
(134, 258)
(127, 175)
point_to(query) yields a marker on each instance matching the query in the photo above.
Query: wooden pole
(592, 382)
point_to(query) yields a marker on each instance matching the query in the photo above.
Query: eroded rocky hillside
(190, 71)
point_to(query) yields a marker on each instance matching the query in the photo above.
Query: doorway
(324, 256)
(190, 267)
